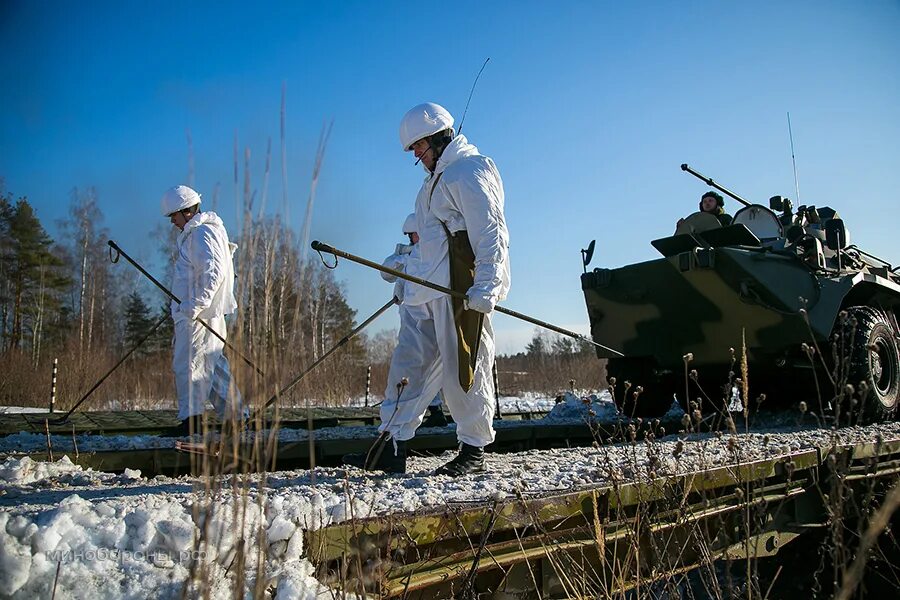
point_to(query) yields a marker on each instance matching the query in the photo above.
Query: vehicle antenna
(793, 160)
(472, 91)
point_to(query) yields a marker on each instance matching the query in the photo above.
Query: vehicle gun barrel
(709, 181)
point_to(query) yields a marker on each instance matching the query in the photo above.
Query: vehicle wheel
(639, 391)
(874, 359)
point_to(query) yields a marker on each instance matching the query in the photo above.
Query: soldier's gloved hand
(395, 261)
(479, 301)
(398, 291)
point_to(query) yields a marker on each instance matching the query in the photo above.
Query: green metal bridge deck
(602, 541)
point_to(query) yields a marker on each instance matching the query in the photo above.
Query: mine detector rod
(320, 247)
(63, 419)
(333, 349)
(709, 181)
(169, 293)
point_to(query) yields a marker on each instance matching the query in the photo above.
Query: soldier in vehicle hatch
(713, 203)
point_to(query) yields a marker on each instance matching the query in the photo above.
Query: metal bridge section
(136, 422)
(601, 541)
(525, 432)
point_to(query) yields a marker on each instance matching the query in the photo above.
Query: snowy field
(18, 410)
(126, 536)
(527, 402)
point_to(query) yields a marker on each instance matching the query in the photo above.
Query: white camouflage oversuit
(204, 281)
(407, 335)
(468, 196)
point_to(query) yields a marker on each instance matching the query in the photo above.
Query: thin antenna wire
(794, 160)
(472, 91)
(190, 143)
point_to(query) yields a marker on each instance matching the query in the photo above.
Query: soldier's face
(425, 153)
(178, 219)
(709, 204)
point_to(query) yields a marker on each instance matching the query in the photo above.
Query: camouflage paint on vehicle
(770, 280)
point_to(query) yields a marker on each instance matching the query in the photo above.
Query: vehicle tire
(875, 360)
(656, 395)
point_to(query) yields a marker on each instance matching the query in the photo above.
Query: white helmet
(421, 121)
(409, 225)
(178, 198)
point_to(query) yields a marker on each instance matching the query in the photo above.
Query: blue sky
(588, 108)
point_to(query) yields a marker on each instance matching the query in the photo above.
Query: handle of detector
(320, 247)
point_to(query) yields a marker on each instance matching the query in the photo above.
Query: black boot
(435, 417)
(381, 457)
(469, 460)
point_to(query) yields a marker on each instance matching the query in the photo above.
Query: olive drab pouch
(468, 322)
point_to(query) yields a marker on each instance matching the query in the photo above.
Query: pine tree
(538, 346)
(137, 323)
(162, 339)
(6, 254)
(338, 319)
(563, 346)
(35, 281)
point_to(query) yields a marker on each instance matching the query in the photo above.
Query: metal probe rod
(333, 349)
(320, 247)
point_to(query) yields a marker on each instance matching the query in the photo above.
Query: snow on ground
(18, 410)
(24, 442)
(529, 402)
(124, 536)
(600, 408)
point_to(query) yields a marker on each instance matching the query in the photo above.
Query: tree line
(65, 298)
(550, 364)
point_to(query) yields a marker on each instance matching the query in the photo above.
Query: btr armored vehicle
(784, 290)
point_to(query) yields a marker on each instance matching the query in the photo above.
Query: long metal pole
(169, 293)
(709, 181)
(320, 247)
(331, 351)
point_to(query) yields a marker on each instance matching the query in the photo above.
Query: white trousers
(427, 355)
(201, 370)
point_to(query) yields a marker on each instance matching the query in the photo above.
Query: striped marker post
(53, 385)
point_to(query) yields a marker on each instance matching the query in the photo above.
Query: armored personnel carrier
(814, 312)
